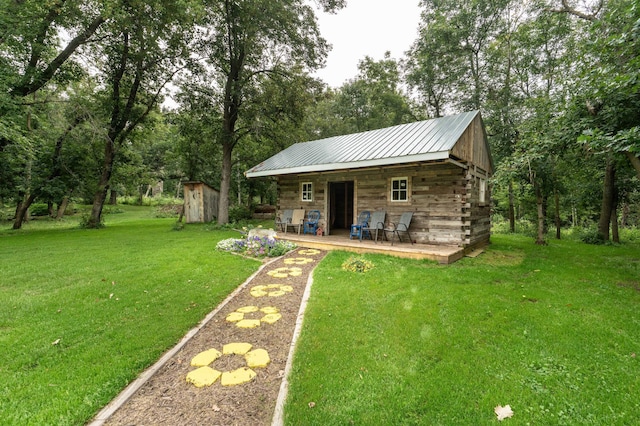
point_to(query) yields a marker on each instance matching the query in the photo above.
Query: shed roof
(406, 143)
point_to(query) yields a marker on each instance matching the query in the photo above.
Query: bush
(357, 264)
(281, 248)
(591, 236)
(39, 209)
(239, 213)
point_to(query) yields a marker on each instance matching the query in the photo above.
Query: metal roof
(405, 143)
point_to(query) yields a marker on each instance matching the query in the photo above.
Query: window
(400, 189)
(307, 191)
(482, 188)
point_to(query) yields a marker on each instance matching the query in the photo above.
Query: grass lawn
(552, 331)
(113, 299)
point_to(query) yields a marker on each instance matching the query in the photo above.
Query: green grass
(116, 298)
(553, 331)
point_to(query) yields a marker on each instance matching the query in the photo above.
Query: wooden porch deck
(442, 254)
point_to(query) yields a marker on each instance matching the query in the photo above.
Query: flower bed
(256, 246)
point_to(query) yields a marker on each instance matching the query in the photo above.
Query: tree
(243, 40)
(373, 99)
(141, 51)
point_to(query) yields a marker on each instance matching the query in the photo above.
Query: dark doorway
(341, 205)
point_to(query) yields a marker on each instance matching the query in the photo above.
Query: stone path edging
(278, 414)
(131, 389)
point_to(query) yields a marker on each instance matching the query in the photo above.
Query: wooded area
(85, 89)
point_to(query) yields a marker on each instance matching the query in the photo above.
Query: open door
(340, 206)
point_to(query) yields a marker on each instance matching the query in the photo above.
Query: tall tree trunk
(95, 219)
(607, 201)
(62, 207)
(625, 215)
(113, 197)
(225, 183)
(615, 235)
(635, 162)
(512, 210)
(545, 205)
(540, 240)
(557, 213)
(22, 209)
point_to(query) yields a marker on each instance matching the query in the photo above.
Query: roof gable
(406, 143)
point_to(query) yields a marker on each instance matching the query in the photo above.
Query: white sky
(366, 28)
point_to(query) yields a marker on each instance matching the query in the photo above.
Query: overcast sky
(366, 28)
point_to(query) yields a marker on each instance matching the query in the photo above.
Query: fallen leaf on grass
(503, 412)
(312, 404)
(55, 342)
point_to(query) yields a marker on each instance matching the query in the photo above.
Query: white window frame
(399, 190)
(482, 191)
(306, 191)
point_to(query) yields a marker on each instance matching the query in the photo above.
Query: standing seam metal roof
(420, 141)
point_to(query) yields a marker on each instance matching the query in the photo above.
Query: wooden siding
(472, 147)
(442, 196)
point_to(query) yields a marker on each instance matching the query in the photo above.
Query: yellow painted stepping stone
(298, 261)
(248, 323)
(309, 252)
(237, 377)
(205, 358)
(236, 348)
(271, 315)
(203, 376)
(284, 272)
(235, 316)
(270, 318)
(271, 290)
(257, 358)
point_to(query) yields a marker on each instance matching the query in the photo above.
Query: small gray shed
(200, 202)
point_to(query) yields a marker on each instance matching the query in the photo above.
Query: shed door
(341, 208)
(193, 205)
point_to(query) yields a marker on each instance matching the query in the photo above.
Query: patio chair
(297, 220)
(311, 224)
(375, 224)
(363, 222)
(401, 227)
(284, 219)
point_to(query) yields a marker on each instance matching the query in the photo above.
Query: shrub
(357, 264)
(281, 248)
(239, 213)
(39, 209)
(591, 236)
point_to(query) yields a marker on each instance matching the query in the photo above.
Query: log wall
(443, 197)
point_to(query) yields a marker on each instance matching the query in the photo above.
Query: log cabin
(438, 169)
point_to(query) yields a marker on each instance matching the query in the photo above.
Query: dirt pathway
(269, 303)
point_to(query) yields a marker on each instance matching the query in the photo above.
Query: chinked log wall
(443, 198)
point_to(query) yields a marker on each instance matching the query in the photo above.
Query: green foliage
(239, 214)
(591, 236)
(39, 209)
(357, 264)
